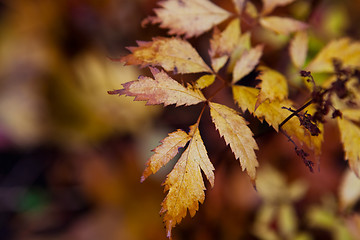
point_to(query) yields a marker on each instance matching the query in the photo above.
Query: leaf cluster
(233, 57)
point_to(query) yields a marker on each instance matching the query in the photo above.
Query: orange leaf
(173, 54)
(269, 5)
(185, 183)
(236, 133)
(282, 25)
(161, 90)
(298, 49)
(165, 152)
(189, 17)
(247, 62)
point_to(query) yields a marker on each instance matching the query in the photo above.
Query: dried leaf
(165, 152)
(269, 5)
(298, 49)
(161, 90)
(236, 133)
(205, 81)
(350, 137)
(244, 43)
(343, 49)
(273, 86)
(249, 59)
(273, 114)
(282, 25)
(185, 183)
(189, 17)
(173, 54)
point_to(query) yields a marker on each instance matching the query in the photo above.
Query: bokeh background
(71, 155)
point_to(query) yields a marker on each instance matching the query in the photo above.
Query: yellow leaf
(161, 90)
(251, 10)
(349, 192)
(282, 25)
(269, 5)
(223, 44)
(273, 85)
(236, 133)
(298, 49)
(273, 114)
(343, 49)
(205, 81)
(189, 17)
(350, 137)
(173, 54)
(165, 152)
(247, 62)
(185, 183)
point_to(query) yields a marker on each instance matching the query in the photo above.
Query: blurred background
(71, 155)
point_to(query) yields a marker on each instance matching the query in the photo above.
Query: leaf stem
(295, 113)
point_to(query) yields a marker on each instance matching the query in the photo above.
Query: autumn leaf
(298, 49)
(185, 184)
(244, 43)
(345, 50)
(165, 152)
(223, 43)
(237, 134)
(274, 114)
(273, 85)
(160, 90)
(247, 62)
(189, 17)
(282, 25)
(269, 5)
(350, 137)
(173, 54)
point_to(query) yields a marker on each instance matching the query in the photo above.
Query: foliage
(233, 61)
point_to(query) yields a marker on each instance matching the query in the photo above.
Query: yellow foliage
(282, 25)
(298, 49)
(269, 5)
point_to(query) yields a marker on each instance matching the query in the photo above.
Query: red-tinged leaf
(160, 90)
(298, 49)
(165, 152)
(236, 133)
(189, 17)
(185, 183)
(173, 54)
(282, 25)
(248, 61)
(269, 5)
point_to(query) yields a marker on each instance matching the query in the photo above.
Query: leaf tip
(116, 92)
